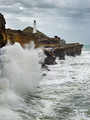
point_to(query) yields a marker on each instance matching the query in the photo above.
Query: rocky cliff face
(68, 49)
(50, 59)
(3, 37)
(25, 37)
(22, 37)
(49, 42)
(54, 47)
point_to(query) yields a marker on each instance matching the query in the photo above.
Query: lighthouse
(34, 27)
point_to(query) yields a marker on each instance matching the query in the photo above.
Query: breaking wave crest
(20, 73)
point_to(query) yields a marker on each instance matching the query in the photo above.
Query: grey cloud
(66, 7)
(64, 15)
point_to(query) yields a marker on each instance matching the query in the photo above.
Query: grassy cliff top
(30, 30)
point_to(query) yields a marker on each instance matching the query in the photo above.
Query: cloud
(62, 7)
(54, 17)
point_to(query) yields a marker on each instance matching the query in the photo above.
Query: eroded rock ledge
(53, 47)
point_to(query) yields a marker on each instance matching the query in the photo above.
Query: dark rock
(70, 51)
(50, 59)
(3, 37)
(45, 66)
(79, 49)
(43, 74)
(59, 52)
(73, 49)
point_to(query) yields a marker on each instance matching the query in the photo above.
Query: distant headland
(53, 47)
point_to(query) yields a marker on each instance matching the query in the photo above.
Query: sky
(68, 19)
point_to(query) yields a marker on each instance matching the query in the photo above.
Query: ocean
(62, 94)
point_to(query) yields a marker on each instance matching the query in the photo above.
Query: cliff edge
(53, 47)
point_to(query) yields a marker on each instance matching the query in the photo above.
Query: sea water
(63, 94)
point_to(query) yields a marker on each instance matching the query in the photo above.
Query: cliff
(39, 38)
(69, 50)
(21, 37)
(3, 37)
(53, 47)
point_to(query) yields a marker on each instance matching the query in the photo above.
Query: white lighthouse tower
(34, 27)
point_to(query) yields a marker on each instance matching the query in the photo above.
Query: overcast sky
(68, 19)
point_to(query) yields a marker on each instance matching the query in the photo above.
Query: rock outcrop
(59, 52)
(3, 37)
(50, 58)
(69, 50)
(73, 49)
(53, 47)
(22, 37)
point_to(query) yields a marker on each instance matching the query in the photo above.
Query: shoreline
(53, 47)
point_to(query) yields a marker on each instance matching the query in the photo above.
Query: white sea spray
(20, 73)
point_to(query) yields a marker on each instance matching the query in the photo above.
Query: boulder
(50, 59)
(70, 51)
(73, 49)
(79, 49)
(59, 52)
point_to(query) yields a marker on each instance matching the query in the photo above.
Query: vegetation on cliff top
(30, 30)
